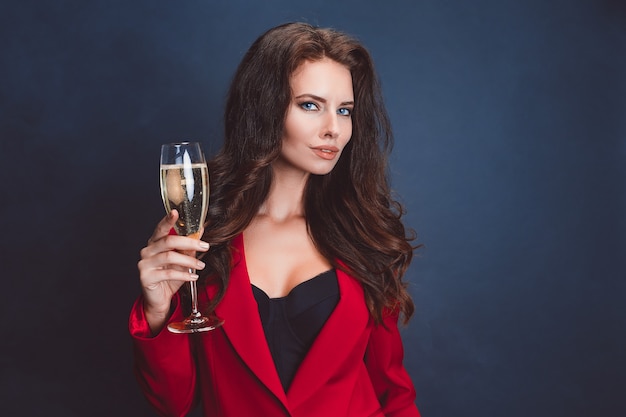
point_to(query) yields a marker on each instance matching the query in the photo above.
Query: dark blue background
(510, 123)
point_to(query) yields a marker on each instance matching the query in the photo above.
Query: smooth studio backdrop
(510, 126)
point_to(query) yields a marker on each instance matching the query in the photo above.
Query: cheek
(347, 134)
(295, 129)
(301, 128)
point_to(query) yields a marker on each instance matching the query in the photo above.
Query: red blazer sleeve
(384, 362)
(164, 364)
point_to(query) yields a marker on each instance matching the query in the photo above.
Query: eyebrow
(323, 100)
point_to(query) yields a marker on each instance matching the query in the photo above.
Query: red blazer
(353, 369)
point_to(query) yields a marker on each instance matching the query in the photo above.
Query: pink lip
(326, 152)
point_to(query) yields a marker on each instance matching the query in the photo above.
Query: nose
(330, 128)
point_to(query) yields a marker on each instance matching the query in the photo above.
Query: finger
(173, 277)
(169, 260)
(164, 226)
(174, 243)
(158, 277)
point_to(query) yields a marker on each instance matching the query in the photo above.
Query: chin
(324, 170)
(321, 173)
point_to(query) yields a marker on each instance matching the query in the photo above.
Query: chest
(281, 257)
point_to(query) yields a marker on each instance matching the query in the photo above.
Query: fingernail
(200, 264)
(203, 245)
(193, 276)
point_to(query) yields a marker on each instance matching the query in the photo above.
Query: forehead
(323, 77)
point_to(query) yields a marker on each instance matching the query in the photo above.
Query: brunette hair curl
(351, 216)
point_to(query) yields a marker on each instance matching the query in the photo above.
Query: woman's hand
(164, 267)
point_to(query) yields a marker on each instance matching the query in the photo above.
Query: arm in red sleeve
(390, 379)
(164, 364)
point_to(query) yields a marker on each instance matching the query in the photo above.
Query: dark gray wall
(510, 157)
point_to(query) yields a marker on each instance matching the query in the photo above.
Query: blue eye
(344, 112)
(308, 106)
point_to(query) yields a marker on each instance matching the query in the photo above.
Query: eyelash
(306, 106)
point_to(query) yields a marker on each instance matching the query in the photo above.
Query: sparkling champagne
(186, 189)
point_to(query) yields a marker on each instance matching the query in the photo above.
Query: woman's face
(318, 124)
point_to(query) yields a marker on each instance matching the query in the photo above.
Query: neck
(286, 196)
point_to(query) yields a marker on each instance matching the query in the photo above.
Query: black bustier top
(291, 323)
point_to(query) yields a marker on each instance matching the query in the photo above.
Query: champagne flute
(185, 187)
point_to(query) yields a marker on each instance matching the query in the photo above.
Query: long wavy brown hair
(351, 216)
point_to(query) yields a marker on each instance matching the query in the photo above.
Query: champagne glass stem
(194, 297)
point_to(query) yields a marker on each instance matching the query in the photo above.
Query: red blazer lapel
(345, 329)
(242, 324)
(343, 332)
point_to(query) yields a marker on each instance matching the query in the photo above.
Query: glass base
(195, 325)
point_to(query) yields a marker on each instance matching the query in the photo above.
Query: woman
(307, 249)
